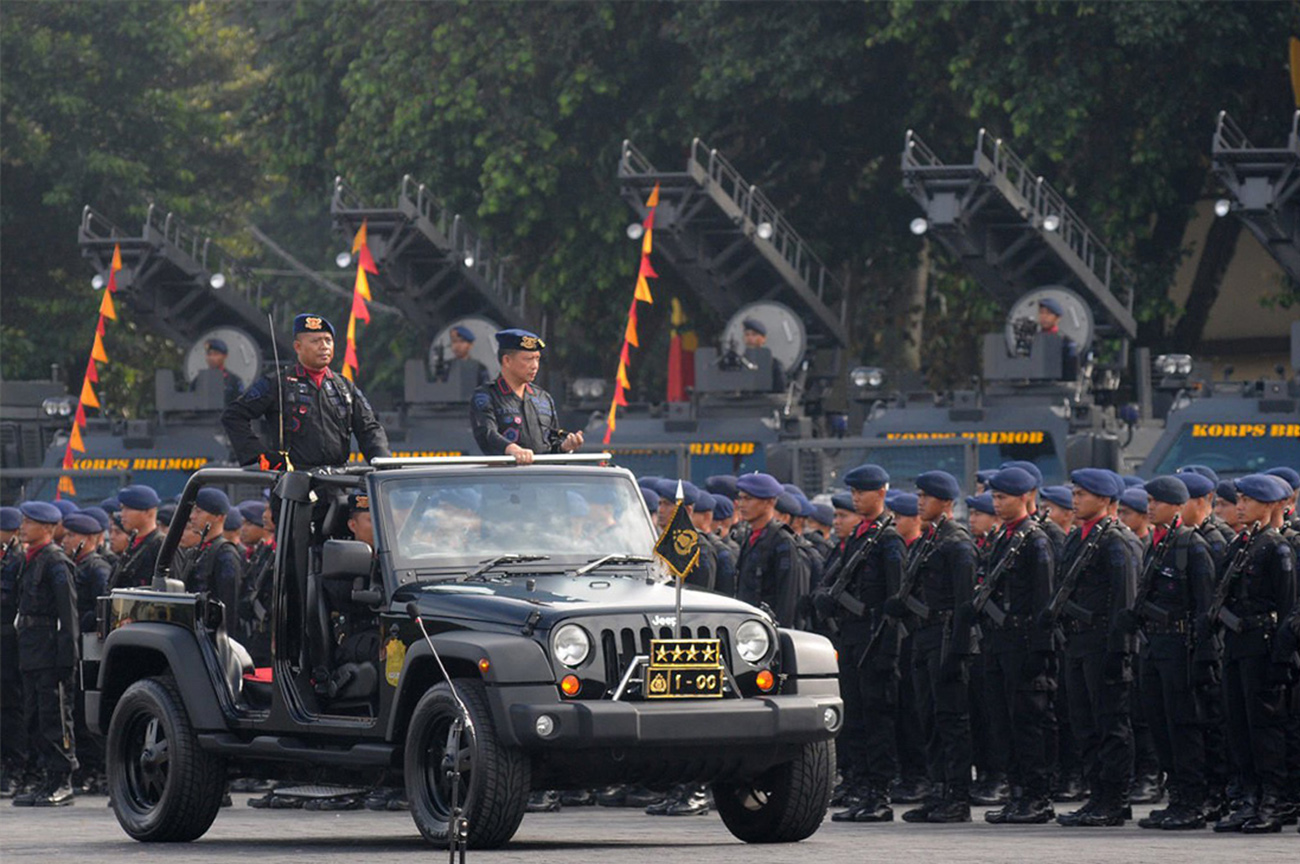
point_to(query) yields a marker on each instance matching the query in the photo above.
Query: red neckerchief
(1088, 526)
(863, 527)
(316, 376)
(754, 535)
(1009, 527)
(909, 543)
(1157, 534)
(139, 539)
(1053, 329)
(32, 552)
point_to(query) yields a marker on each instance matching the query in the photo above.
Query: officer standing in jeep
(512, 416)
(322, 411)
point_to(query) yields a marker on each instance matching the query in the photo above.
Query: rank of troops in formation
(1110, 642)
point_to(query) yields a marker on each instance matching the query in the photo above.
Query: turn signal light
(570, 685)
(765, 680)
(484, 665)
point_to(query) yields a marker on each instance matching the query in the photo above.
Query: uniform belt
(1176, 625)
(1016, 622)
(23, 621)
(936, 618)
(1259, 622)
(1075, 626)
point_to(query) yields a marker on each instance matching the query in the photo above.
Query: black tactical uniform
(1098, 671)
(1254, 676)
(499, 418)
(136, 566)
(1207, 684)
(217, 568)
(704, 576)
(92, 583)
(945, 579)
(319, 422)
(1019, 673)
(1177, 584)
(13, 733)
(724, 572)
(47, 655)
(255, 605)
(770, 573)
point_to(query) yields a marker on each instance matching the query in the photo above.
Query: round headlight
(752, 641)
(571, 644)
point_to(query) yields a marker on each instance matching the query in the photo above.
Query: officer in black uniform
(216, 565)
(138, 517)
(769, 571)
(48, 639)
(512, 416)
(1256, 669)
(1098, 648)
(1019, 660)
(81, 539)
(259, 581)
(322, 411)
(944, 563)
(821, 523)
(755, 336)
(1177, 583)
(869, 685)
(991, 788)
(1049, 319)
(724, 577)
(216, 354)
(13, 735)
(462, 342)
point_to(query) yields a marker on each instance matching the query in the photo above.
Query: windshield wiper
(610, 559)
(502, 559)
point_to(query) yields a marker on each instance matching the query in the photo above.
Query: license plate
(684, 669)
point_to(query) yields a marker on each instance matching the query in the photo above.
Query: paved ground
(88, 832)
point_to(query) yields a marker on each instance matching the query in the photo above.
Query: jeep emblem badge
(664, 621)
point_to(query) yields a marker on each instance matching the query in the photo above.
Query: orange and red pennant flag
(106, 306)
(88, 394)
(629, 335)
(97, 350)
(74, 440)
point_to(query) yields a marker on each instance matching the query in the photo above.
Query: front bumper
(764, 720)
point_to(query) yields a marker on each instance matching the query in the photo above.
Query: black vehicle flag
(679, 545)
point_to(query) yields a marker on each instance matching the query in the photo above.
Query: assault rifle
(1217, 613)
(1061, 602)
(914, 604)
(1141, 606)
(983, 601)
(838, 590)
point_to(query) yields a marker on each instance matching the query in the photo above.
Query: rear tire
(494, 779)
(163, 788)
(786, 803)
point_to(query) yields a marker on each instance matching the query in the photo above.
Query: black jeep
(557, 630)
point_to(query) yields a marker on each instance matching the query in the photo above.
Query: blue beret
(1167, 490)
(1290, 475)
(1028, 467)
(982, 503)
(1098, 481)
(722, 507)
(577, 504)
(1198, 485)
(793, 490)
(1131, 481)
(66, 507)
(1051, 304)
(824, 514)
(218, 345)
(253, 512)
(665, 487)
(984, 476)
(902, 503)
(758, 485)
(99, 514)
(212, 500)
(1117, 481)
(1013, 481)
(165, 514)
(939, 484)
(234, 519)
(111, 504)
(1061, 496)
(1134, 499)
(1261, 487)
(690, 493)
(704, 502)
(41, 511)
(788, 504)
(139, 497)
(843, 501)
(808, 508)
(722, 484)
(651, 497)
(310, 322)
(81, 523)
(867, 478)
(463, 332)
(10, 518)
(1227, 491)
(1203, 470)
(755, 325)
(648, 480)
(519, 340)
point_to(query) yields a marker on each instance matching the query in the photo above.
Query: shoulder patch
(481, 400)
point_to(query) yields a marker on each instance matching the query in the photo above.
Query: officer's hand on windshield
(571, 442)
(523, 455)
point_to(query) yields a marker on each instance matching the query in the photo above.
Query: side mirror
(345, 559)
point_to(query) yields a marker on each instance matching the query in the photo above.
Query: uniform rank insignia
(312, 323)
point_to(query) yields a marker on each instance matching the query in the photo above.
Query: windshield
(455, 521)
(1230, 454)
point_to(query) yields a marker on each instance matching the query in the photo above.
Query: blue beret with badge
(139, 497)
(1061, 496)
(310, 322)
(843, 501)
(1167, 490)
(1198, 485)
(759, 485)
(982, 503)
(1028, 467)
(1013, 481)
(99, 514)
(1263, 487)
(1134, 499)
(722, 484)
(722, 507)
(515, 339)
(212, 500)
(754, 325)
(81, 523)
(10, 518)
(823, 514)
(902, 503)
(939, 484)
(651, 497)
(1051, 304)
(41, 511)
(463, 332)
(867, 478)
(1203, 470)
(1098, 481)
(1290, 475)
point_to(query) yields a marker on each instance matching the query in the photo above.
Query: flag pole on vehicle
(679, 548)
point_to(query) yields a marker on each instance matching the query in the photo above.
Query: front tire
(786, 803)
(163, 788)
(494, 781)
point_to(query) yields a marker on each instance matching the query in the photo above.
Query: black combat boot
(1266, 820)
(1033, 809)
(955, 807)
(1245, 811)
(922, 813)
(57, 792)
(545, 801)
(992, 792)
(1107, 809)
(693, 801)
(874, 807)
(1149, 789)
(1069, 788)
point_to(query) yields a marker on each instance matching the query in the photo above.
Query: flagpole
(677, 616)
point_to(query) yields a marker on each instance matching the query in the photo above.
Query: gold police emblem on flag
(679, 545)
(530, 343)
(312, 323)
